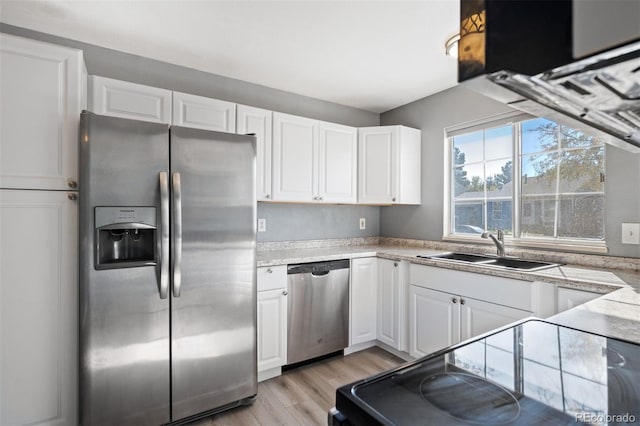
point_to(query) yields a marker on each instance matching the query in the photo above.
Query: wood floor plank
(303, 396)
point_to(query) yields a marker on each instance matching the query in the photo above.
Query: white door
(376, 164)
(272, 329)
(338, 163)
(129, 100)
(258, 121)
(295, 153)
(199, 112)
(477, 317)
(363, 300)
(389, 302)
(434, 321)
(38, 308)
(40, 103)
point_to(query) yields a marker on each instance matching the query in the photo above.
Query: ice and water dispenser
(125, 237)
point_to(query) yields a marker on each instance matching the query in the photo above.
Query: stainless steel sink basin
(492, 261)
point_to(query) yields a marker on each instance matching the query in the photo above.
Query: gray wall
(458, 105)
(285, 222)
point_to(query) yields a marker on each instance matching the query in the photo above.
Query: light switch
(631, 233)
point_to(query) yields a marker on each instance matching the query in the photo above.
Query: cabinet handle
(320, 198)
(269, 271)
(462, 302)
(393, 199)
(395, 264)
(285, 292)
(267, 196)
(72, 183)
(454, 300)
(72, 196)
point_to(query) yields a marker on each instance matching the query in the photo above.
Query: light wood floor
(304, 395)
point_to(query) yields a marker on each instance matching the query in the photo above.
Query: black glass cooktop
(532, 373)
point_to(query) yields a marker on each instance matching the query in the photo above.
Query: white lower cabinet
(568, 298)
(272, 320)
(447, 306)
(38, 307)
(392, 303)
(363, 300)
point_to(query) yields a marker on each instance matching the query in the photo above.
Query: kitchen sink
(512, 263)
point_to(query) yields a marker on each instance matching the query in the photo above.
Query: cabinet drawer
(272, 277)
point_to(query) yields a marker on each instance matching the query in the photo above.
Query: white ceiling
(373, 55)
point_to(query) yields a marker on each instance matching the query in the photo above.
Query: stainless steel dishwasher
(318, 309)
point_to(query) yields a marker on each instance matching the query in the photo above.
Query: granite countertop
(615, 314)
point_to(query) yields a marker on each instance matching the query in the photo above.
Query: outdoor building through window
(534, 179)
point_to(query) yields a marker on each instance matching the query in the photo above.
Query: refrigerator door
(124, 322)
(213, 335)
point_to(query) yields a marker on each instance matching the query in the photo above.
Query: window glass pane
(581, 216)
(539, 135)
(499, 215)
(468, 148)
(498, 143)
(538, 216)
(580, 170)
(470, 179)
(539, 174)
(468, 218)
(499, 178)
(572, 138)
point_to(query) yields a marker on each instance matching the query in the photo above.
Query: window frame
(509, 118)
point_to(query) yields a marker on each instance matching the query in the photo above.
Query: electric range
(532, 372)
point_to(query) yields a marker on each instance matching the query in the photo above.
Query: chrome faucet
(499, 242)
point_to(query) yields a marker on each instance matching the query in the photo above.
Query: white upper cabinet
(313, 161)
(389, 165)
(258, 122)
(129, 100)
(337, 163)
(203, 113)
(295, 153)
(40, 104)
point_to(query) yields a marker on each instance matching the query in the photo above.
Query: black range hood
(573, 61)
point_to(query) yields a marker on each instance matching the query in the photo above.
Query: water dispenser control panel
(125, 237)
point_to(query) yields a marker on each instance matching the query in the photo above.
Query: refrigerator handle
(164, 239)
(177, 234)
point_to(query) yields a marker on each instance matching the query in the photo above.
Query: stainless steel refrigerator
(167, 271)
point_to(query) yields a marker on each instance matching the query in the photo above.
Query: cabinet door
(129, 100)
(434, 321)
(38, 308)
(295, 153)
(477, 317)
(376, 165)
(363, 300)
(389, 302)
(199, 112)
(338, 163)
(41, 86)
(570, 298)
(258, 121)
(272, 329)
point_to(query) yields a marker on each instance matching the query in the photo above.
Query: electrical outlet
(262, 225)
(631, 233)
(363, 223)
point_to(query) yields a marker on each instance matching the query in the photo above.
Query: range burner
(470, 398)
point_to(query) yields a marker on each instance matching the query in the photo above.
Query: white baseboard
(269, 374)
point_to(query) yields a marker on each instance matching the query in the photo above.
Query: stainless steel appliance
(318, 309)
(572, 61)
(167, 271)
(530, 373)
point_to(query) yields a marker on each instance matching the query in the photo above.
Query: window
(536, 180)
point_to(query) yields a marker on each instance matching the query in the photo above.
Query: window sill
(595, 247)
